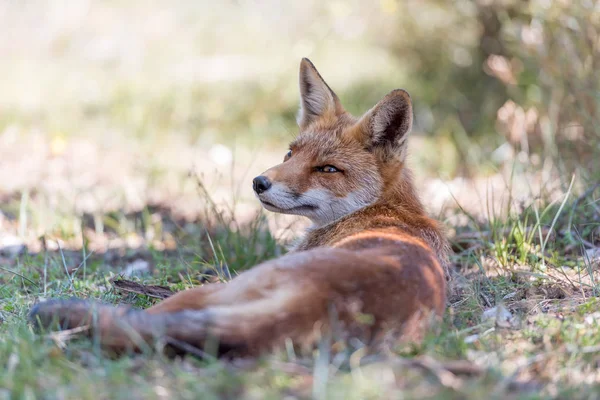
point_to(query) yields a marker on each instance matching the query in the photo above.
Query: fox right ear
(317, 100)
(388, 124)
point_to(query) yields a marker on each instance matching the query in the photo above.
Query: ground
(521, 322)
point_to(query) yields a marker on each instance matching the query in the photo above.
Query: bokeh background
(114, 114)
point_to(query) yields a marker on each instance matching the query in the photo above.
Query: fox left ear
(388, 124)
(317, 100)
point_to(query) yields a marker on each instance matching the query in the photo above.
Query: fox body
(371, 267)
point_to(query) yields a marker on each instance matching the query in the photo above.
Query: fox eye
(327, 169)
(287, 155)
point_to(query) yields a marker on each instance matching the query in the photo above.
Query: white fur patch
(319, 205)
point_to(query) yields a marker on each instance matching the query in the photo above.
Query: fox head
(338, 163)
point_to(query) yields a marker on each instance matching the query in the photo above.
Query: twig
(60, 337)
(487, 301)
(158, 292)
(67, 333)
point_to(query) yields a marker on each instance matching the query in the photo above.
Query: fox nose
(261, 184)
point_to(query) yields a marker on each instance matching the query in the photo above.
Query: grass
(528, 266)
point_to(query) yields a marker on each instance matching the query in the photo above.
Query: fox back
(371, 267)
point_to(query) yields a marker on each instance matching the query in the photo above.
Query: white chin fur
(324, 206)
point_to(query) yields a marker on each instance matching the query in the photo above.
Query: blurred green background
(108, 105)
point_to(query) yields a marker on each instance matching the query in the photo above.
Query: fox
(371, 268)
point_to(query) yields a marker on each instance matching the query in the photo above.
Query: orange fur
(371, 267)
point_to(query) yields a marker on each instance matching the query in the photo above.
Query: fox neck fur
(399, 208)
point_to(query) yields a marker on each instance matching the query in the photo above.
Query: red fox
(372, 266)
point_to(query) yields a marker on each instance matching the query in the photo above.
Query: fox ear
(316, 98)
(388, 124)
